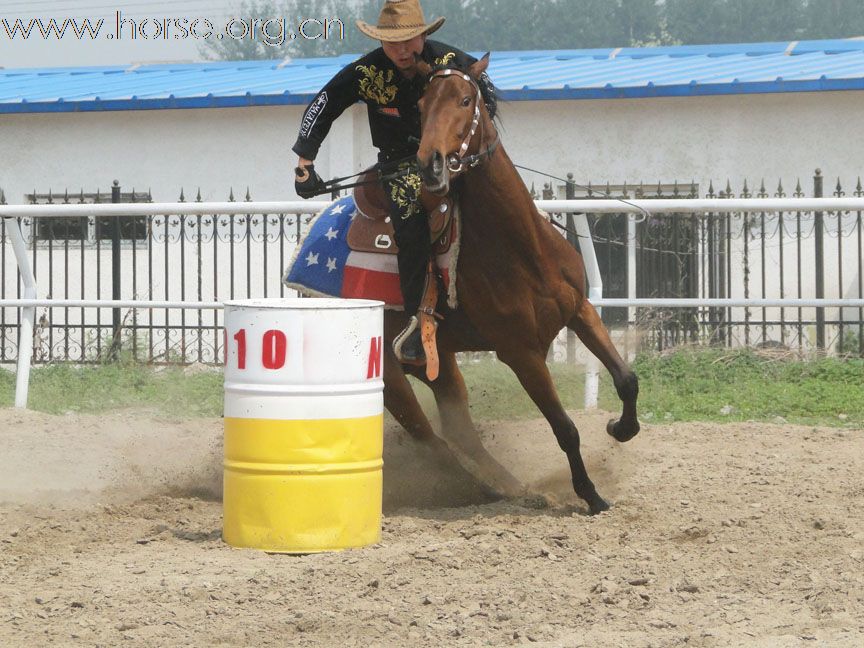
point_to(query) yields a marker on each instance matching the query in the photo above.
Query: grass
(495, 393)
(746, 385)
(685, 385)
(173, 391)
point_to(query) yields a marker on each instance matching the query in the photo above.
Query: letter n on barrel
(374, 369)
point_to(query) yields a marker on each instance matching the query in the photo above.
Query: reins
(402, 166)
(645, 212)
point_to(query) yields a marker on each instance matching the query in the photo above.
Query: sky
(140, 39)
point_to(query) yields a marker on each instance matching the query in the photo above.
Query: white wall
(162, 150)
(691, 138)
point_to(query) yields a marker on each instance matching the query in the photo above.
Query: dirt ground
(719, 535)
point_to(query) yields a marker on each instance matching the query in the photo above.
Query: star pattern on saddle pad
(326, 265)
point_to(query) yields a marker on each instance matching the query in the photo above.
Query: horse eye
(466, 102)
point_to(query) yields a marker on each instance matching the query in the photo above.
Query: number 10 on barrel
(274, 351)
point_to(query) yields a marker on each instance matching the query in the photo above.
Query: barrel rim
(306, 303)
(308, 389)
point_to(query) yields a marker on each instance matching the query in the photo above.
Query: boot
(408, 345)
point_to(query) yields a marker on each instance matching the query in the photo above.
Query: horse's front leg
(531, 370)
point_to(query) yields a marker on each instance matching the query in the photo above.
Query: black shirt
(391, 101)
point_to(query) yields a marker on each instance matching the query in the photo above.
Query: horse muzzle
(435, 174)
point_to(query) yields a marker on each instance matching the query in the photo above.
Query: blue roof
(613, 73)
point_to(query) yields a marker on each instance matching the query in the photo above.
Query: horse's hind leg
(531, 370)
(588, 326)
(459, 431)
(401, 402)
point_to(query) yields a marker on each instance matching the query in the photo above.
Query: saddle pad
(324, 265)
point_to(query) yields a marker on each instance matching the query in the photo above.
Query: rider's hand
(307, 182)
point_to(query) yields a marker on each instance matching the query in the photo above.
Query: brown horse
(519, 283)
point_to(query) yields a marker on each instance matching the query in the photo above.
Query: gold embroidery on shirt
(445, 60)
(374, 84)
(405, 193)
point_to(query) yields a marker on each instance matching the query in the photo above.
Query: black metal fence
(214, 258)
(167, 258)
(766, 255)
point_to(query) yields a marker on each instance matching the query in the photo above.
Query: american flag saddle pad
(325, 266)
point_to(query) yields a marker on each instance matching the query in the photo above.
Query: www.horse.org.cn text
(270, 31)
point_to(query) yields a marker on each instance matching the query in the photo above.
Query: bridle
(456, 161)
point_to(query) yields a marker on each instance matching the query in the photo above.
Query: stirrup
(408, 345)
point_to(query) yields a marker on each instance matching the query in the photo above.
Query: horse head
(451, 110)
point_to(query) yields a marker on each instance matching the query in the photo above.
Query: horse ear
(422, 66)
(479, 67)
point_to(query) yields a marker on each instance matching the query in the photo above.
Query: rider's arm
(335, 97)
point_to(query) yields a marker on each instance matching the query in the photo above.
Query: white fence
(29, 302)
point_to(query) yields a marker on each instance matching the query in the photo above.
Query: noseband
(457, 162)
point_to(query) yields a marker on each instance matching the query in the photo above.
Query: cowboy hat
(400, 20)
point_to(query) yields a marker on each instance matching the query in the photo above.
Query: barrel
(304, 419)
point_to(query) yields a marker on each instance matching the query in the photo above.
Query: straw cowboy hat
(400, 20)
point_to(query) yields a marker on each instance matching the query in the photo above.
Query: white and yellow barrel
(304, 419)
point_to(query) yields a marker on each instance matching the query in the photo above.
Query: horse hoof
(619, 432)
(597, 505)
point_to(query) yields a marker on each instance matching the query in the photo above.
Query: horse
(518, 281)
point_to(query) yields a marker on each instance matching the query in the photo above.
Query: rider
(386, 82)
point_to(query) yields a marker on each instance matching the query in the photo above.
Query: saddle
(372, 230)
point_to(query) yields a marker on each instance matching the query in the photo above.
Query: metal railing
(28, 301)
(771, 254)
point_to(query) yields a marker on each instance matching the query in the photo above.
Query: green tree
(461, 26)
(480, 25)
(639, 21)
(564, 24)
(734, 21)
(339, 41)
(833, 19)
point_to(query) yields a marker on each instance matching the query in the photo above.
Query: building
(700, 113)
(701, 116)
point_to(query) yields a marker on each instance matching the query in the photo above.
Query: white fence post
(28, 314)
(595, 292)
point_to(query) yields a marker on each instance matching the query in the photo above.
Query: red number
(275, 349)
(240, 336)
